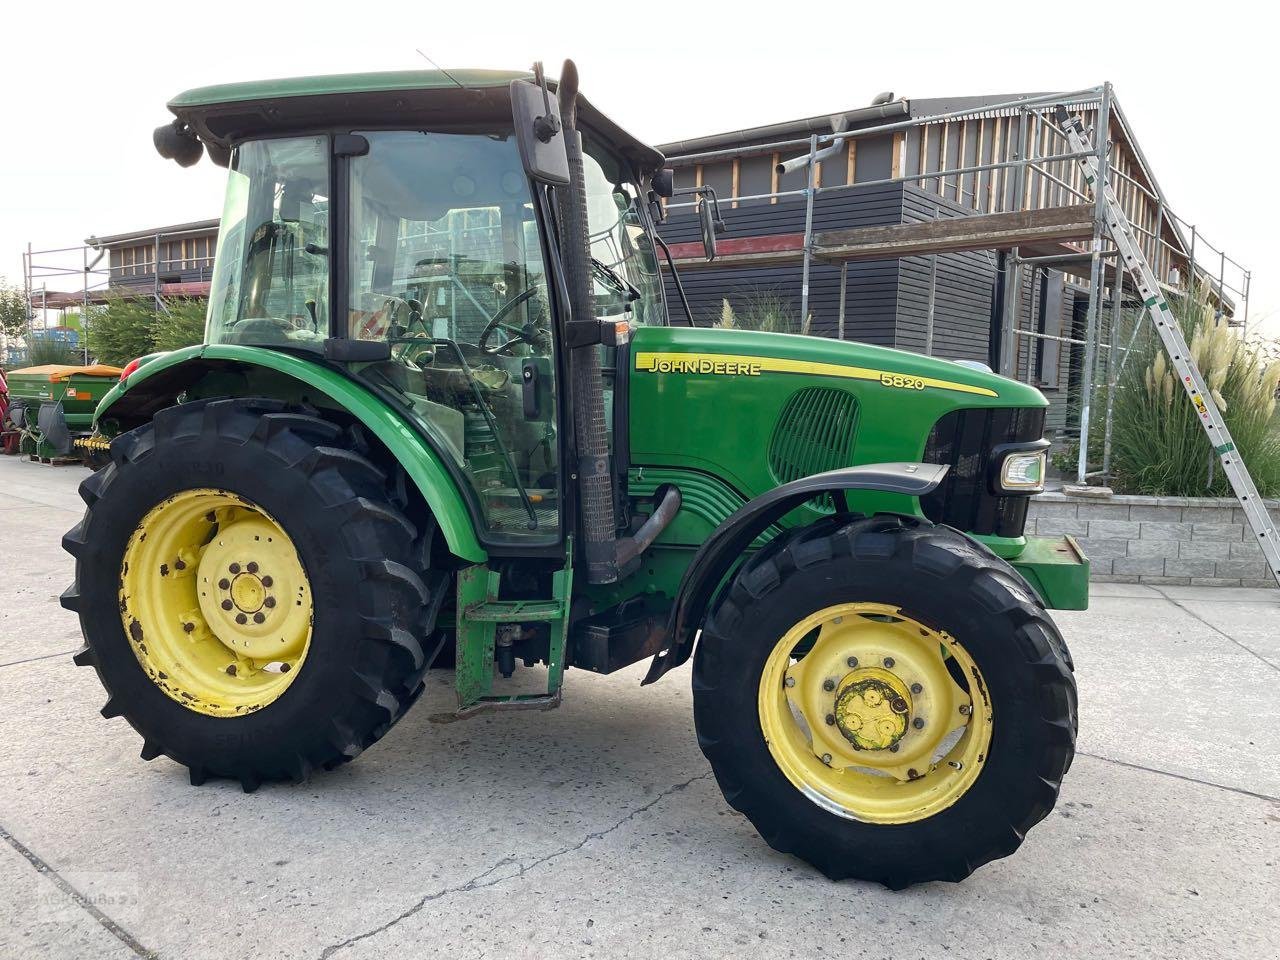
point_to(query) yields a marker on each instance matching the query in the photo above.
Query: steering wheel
(521, 334)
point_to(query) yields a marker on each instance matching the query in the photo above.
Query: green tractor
(442, 417)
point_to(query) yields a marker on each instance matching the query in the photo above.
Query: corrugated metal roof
(787, 129)
(122, 239)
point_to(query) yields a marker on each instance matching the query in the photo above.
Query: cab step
(514, 611)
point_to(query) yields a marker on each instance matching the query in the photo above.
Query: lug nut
(789, 682)
(258, 617)
(269, 602)
(267, 581)
(231, 670)
(826, 758)
(831, 719)
(888, 662)
(188, 627)
(918, 723)
(227, 604)
(241, 618)
(911, 773)
(828, 685)
(234, 568)
(965, 709)
(852, 661)
(252, 567)
(893, 748)
(224, 584)
(916, 688)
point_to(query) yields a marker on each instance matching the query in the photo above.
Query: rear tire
(942, 581)
(374, 609)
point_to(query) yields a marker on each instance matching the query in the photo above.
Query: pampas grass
(1158, 446)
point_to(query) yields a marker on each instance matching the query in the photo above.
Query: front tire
(885, 699)
(299, 654)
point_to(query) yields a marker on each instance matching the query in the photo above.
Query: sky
(82, 87)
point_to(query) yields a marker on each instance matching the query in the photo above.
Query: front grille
(813, 434)
(964, 439)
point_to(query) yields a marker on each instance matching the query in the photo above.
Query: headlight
(1023, 472)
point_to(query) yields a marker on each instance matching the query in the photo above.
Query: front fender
(420, 461)
(722, 549)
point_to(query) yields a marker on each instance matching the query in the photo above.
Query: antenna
(460, 84)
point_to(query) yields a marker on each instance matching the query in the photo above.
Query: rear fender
(155, 385)
(716, 557)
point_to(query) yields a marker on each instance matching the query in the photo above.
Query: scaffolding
(1031, 235)
(42, 269)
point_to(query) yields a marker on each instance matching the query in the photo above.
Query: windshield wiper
(617, 280)
(492, 423)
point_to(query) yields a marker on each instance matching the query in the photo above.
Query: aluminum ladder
(1175, 345)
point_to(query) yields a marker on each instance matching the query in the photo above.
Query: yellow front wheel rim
(215, 602)
(874, 716)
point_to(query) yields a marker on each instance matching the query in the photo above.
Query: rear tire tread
(387, 675)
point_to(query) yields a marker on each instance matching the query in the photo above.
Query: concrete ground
(597, 830)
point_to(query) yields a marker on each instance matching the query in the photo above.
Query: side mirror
(539, 132)
(709, 230)
(664, 182)
(708, 214)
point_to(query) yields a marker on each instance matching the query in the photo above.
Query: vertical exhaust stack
(595, 478)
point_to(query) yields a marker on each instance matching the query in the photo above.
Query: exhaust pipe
(607, 556)
(595, 476)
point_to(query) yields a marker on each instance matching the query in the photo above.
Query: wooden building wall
(887, 301)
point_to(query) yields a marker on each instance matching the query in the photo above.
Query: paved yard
(596, 830)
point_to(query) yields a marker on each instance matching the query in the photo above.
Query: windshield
(624, 260)
(271, 273)
(446, 266)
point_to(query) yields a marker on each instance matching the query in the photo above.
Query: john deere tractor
(443, 416)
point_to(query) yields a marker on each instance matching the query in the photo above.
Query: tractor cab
(421, 258)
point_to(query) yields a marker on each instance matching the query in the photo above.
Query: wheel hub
(215, 601)
(247, 593)
(874, 715)
(873, 708)
(253, 608)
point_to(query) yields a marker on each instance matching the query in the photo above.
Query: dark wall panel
(963, 290)
(875, 159)
(871, 292)
(755, 176)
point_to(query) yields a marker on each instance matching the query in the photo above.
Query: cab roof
(228, 113)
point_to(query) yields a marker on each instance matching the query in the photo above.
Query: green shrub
(122, 330)
(182, 326)
(762, 309)
(1158, 446)
(129, 327)
(41, 351)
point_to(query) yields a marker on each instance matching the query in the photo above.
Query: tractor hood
(756, 410)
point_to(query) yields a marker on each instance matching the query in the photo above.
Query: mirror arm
(675, 275)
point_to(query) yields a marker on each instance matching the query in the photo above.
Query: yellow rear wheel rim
(861, 710)
(215, 602)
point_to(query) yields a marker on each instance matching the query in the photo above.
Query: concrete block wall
(1181, 541)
